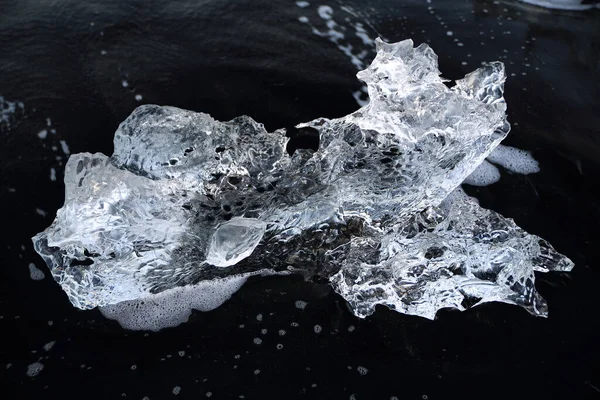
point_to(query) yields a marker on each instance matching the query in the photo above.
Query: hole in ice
(85, 262)
(234, 180)
(469, 301)
(434, 252)
(302, 138)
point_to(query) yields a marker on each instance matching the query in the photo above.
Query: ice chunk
(186, 201)
(234, 240)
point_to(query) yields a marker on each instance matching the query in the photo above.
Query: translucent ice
(234, 240)
(457, 256)
(186, 199)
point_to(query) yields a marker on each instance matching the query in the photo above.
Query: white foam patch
(562, 4)
(485, 174)
(35, 273)
(174, 306)
(302, 4)
(515, 160)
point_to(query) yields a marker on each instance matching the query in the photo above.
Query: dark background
(67, 60)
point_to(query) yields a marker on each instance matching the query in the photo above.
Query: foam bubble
(34, 369)
(48, 346)
(300, 304)
(515, 160)
(35, 273)
(485, 174)
(362, 370)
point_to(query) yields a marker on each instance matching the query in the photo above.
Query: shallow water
(79, 68)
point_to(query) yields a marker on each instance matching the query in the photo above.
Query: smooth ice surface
(234, 240)
(186, 200)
